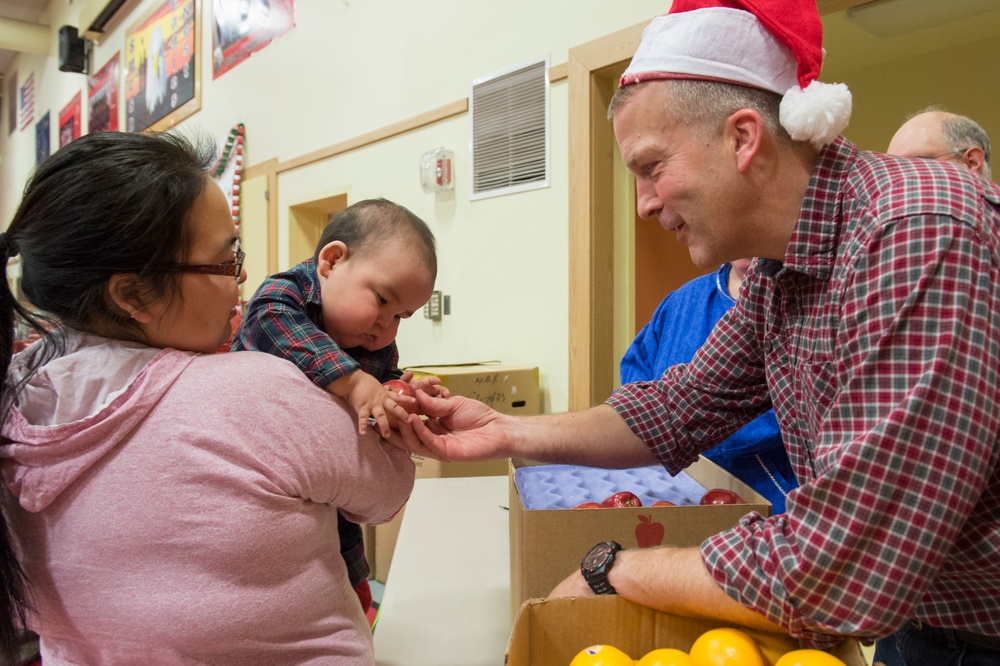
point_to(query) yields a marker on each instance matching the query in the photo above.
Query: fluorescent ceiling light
(891, 18)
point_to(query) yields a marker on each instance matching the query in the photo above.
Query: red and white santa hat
(774, 45)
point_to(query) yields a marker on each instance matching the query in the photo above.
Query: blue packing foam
(565, 486)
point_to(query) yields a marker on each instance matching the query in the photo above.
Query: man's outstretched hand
(456, 429)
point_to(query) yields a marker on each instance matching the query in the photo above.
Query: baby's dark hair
(371, 221)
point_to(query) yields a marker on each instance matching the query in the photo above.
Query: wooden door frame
(593, 71)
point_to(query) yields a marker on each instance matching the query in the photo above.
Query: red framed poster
(69, 120)
(240, 28)
(102, 98)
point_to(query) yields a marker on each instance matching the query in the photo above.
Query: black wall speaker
(72, 50)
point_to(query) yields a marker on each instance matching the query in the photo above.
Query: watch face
(597, 556)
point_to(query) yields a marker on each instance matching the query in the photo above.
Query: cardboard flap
(553, 631)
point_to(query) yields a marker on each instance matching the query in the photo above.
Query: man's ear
(744, 133)
(126, 290)
(974, 158)
(332, 252)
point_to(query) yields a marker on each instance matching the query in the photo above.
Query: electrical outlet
(432, 310)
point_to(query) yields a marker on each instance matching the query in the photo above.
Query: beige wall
(962, 79)
(350, 68)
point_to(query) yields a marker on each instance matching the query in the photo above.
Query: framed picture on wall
(162, 67)
(240, 28)
(26, 102)
(102, 99)
(12, 103)
(43, 139)
(69, 121)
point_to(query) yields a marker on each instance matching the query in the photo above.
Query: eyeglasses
(950, 154)
(232, 268)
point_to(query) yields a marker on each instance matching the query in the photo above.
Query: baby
(336, 315)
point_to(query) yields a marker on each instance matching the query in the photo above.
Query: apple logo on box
(648, 533)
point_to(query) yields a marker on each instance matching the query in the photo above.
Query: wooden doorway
(306, 222)
(662, 264)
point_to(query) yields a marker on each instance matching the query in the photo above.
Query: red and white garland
(229, 171)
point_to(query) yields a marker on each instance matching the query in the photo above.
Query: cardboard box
(368, 534)
(553, 631)
(511, 389)
(546, 545)
(385, 543)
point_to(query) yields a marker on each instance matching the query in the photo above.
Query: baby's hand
(369, 399)
(403, 394)
(429, 384)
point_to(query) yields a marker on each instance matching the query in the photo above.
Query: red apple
(402, 388)
(721, 496)
(648, 533)
(624, 498)
(662, 503)
(588, 505)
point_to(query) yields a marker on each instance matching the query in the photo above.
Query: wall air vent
(510, 130)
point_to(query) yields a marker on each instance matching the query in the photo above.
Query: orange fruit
(808, 658)
(665, 657)
(601, 655)
(726, 647)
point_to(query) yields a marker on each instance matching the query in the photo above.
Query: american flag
(27, 102)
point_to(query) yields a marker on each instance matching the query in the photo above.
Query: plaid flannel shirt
(877, 342)
(285, 318)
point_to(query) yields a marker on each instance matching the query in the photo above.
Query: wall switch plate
(432, 310)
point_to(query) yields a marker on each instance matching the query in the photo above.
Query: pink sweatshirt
(178, 508)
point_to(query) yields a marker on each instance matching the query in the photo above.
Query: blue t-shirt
(682, 322)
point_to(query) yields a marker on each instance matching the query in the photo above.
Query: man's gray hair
(961, 133)
(709, 103)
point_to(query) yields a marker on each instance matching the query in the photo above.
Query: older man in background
(936, 134)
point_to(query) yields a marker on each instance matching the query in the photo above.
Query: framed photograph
(162, 67)
(102, 100)
(240, 28)
(69, 120)
(43, 139)
(12, 103)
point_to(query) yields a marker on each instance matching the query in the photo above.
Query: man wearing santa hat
(870, 322)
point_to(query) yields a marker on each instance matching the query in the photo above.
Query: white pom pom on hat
(774, 45)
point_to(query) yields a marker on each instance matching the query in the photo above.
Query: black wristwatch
(597, 563)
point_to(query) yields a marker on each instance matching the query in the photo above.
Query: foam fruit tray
(565, 486)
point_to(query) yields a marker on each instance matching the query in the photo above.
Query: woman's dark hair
(107, 203)
(373, 221)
